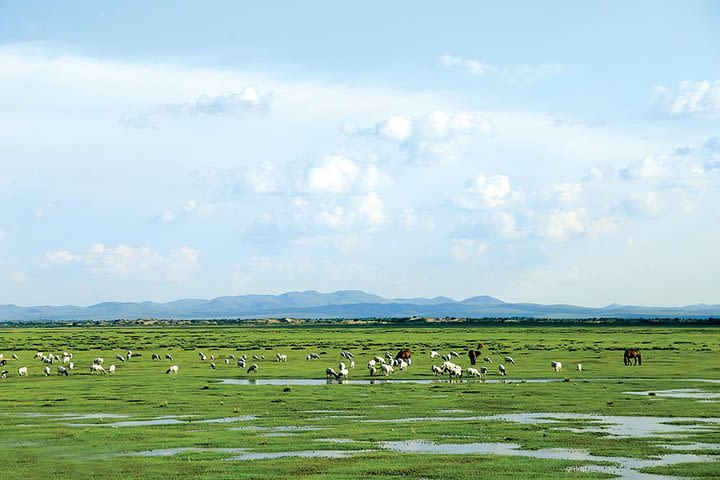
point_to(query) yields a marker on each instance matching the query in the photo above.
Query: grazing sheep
(474, 372)
(241, 362)
(47, 360)
(330, 372)
(212, 358)
(281, 357)
(120, 357)
(313, 356)
(227, 361)
(244, 356)
(168, 356)
(453, 352)
(447, 357)
(388, 355)
(62, 371)
(129, 355)
(262, 357)
(46, 370)
(111, 368)
(403, 365)
(39, 355)
(487, 360)
(556, 365)
(579, 367)
(434, 354)
(501, 368)
(343, 372)
(15, 356)
(372, 363)
(212, 365)
(172, 369)
(71, 365)
(253, 368)
(455, 371)
(372, 370)
(255, 357)
(232, 356)
(379, 360)
(66, 359)
(436, 370)
(202, 357)
(352, 363)
(4, 374)
(98, 361)
(387, 369)
(97, 368)
(510, 360)
(483, 371)
(155, 356)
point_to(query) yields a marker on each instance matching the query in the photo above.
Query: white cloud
(562, 224)
(518, 74)
(601, 226)
(464, 249)
(690, 98)
(485, 192)
(507, 225)
(263, 178)
(568, 192)
(339, 174)
(412, 221)
(371, 209)
(366, 210)
(650, 167)
(643, 204)
(123, 260)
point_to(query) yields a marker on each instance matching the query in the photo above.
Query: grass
(42, 447)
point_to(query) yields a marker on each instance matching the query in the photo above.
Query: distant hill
(341, 304)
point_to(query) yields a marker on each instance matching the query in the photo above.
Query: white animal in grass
(71, 365)
(111, 368)
(434, 354)
(403, 365)
(212, 365)
(453, 352)
(202, 357)
(129, 355)
(372, 363)
(388, 355)
(155, 356)
(487, 360)
(62, 371)
(39, 355)
(227, 361)
(352, 363)
(281, 357)
(483, 371)
(501, 368)
(97, 368)
(169, 357)
(387, 369)
(241, 362)
(579, 367)
(172, 369)
(510, 360)
(253, 368)
(313, 356)
(15, 356)
(343, 372)
(232, 356)
(455, 371)
(120, 357)
(212, 358)
(46, 370)
(22, 372)
(474, 372)
(4, 374)
(66, 359)
(99, 361)
(372, 370)
(346, 355)
(557, 366)
(436, 370)
(379, 360)
(331, 373)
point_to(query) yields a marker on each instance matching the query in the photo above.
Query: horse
(475, 354)
(404, 354)
(631, 353)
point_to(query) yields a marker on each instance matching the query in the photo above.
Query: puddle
(324, 411)
(335, 417)
(169, 452)
(278, 434)
(285, 428)
(693, 446)
(454, 410)
(694, 393)
(625, 467)
(336, 440)
(620, 426)
(301, 453)
(73, 416)
(243, 418)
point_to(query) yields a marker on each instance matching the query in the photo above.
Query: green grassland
(44, 446)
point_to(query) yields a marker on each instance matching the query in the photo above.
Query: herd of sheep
(378, 365)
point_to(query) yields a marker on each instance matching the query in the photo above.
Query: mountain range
(340, 304)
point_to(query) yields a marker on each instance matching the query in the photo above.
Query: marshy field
(659, 420)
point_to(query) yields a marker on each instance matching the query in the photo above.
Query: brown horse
(475, 354)
(404, 354)
(631, 353)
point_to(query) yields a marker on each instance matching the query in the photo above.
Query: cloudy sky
(549, 153)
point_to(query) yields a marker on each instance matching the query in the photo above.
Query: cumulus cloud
(339, 174)
(690, 98)
(562, 224)
(171, 216)
(485, 192)
(124, 260)
(430, 135)
(412, 221)
(262, 179)
(517, 74)
(642, 204)
(368, 210)
(650, 167)
(464, 249)
(247, 100)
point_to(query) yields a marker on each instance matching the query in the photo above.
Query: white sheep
(232, 356)
(212, 358)
(202, 357)
(120, 357)
(172, 369)
(387, 369)
(343, 372)
(155, 356)
(169, 357)
(99, 361)
(352, 363)
(281, 357)
(474, 372)
(39, 355)
(510, 360)
(501, 368)
(436, 370)
(434, 354)
(129, 354)
(579, 367)
(453, 352)
(71, 365)
(379, 360)
(111, 368)
(4, 374)
(227, 361)
(46, 370)
(62, 371)
(22, 372)
(97, 368)
(66, 359)
(15, 356)
(556, 365)
(212, 365)
(330, 372)
(403, 365)
(241, 362)
(483, 371)
(253, 368)
(487, 360)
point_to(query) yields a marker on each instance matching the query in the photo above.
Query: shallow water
(131, 423)
(336, 440)
(284, 428)
(621, 426)
(169, 452)
(694, 393)
(243, 418)
(301, 453)
(626, 467)
(693, 446)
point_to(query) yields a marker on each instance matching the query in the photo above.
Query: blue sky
(550, 153)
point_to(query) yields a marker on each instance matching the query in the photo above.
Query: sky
(564, 152)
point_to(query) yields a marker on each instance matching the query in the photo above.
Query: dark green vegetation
(46, 447)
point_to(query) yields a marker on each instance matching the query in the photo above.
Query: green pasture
(43, 433)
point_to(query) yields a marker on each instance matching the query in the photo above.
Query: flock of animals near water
(379, 365)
